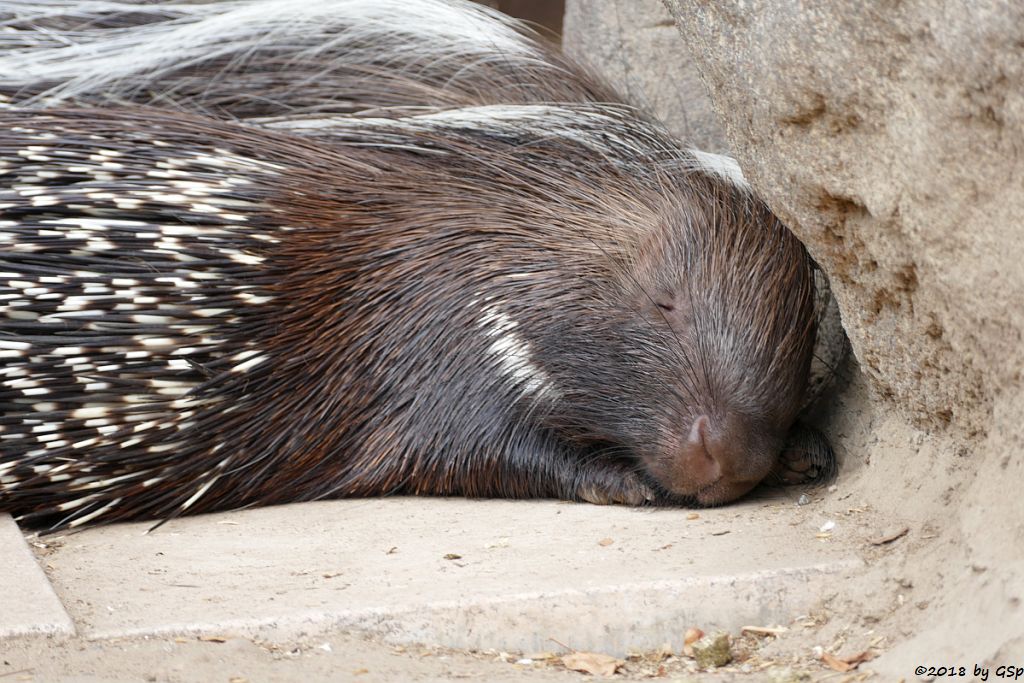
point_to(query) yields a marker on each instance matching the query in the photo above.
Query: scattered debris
(25, 672)
(764, 630)
(592, 663)
(691, 636)
(452, 556)
(662, 653)
(540, 656)
(693, 515)
(605, 542)
(825, 531)
(834, 663)
(845, 664)
(889, 535)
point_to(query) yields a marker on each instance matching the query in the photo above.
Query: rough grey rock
(890, 137)
(634, 45)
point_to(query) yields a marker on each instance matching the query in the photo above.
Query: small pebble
(804, 499)
(712, 650)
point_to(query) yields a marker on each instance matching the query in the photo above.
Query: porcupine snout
(721, 459)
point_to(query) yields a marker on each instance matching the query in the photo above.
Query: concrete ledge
(471, 574)
(28, 605)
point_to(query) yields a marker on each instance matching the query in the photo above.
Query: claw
(806, 459)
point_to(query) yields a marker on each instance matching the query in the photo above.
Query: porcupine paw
(806, 458)
(624, 488)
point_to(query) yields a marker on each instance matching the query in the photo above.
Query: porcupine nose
(696, 457)
(719, 461)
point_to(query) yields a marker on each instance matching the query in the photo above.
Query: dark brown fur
(669, 311)
(647, 301)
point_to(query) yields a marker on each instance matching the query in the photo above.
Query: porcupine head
(704, 373)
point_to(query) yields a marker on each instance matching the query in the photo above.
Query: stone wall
(890, 137)
(635, 45)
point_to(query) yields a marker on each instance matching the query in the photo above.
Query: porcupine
(305, 64)
(473, 301)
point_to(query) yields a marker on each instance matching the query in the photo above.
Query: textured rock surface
(890, 138)
(635, 45)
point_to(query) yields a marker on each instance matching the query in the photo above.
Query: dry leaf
(836, 664)
(692, 635)
(889, 536)
(865, 656)
(592, 663)
(764, 630)
(605, 542)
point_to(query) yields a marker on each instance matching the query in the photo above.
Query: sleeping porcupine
(474, 273)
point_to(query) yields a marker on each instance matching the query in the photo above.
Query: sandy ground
(349, 657)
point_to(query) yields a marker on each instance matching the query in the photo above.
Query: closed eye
(665, 306)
